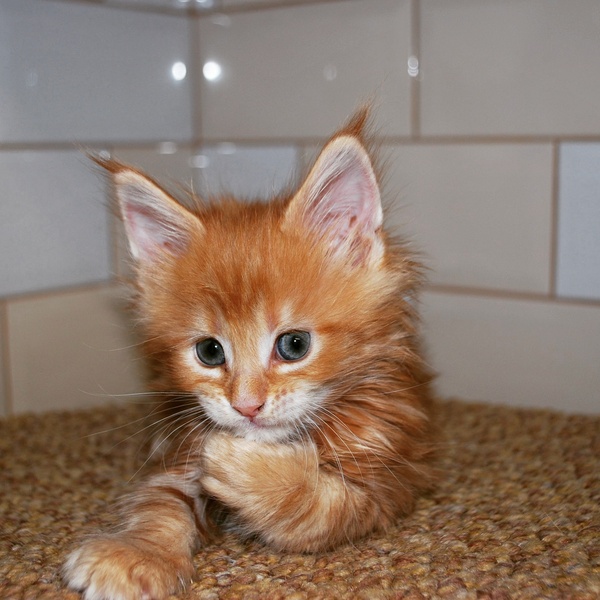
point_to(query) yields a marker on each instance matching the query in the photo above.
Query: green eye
(293, 345)
(210, 352)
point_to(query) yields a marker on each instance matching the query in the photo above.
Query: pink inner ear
(349, 201)
(149, 234)
(154, 222)
(343, 197)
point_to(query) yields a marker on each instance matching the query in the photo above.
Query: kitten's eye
(293, 345)
(210, 352)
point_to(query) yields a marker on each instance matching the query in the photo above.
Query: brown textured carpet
(516, 516)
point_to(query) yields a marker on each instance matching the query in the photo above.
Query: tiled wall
(487, 116)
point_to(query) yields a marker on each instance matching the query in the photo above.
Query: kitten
(284, 335)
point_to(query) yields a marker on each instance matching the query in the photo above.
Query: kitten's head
(270, 313)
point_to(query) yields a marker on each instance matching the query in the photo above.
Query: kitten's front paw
(224, 466)
(241, 472)
(113, 568)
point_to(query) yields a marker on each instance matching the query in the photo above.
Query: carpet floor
(516, 514)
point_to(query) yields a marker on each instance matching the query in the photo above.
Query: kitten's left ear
(340, 202)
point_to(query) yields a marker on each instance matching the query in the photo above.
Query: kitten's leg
(150, 555)
(283, 494)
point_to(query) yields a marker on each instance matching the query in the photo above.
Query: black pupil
(293, 345)
(210, 352)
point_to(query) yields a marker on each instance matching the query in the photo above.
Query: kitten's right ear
(154, 222)
(340, 202)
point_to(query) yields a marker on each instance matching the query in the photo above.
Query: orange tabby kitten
(286, 335)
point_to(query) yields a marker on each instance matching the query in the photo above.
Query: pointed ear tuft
(357, 124)
(340, 202)
(155, 223)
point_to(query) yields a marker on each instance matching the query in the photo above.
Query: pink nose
(248, 410)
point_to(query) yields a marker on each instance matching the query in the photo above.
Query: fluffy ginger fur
(304, 454)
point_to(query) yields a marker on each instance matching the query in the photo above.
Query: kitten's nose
(248, 409)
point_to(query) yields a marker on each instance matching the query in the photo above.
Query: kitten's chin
(257, 432)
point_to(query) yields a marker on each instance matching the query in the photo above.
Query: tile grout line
(131, 7)
(61, 290)
(263, 6)
(195, 74)
(506, 294)
(408, 140)
(199, 11)
(415, 81)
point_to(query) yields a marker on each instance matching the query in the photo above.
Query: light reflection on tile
(86, 72)
(285, 74)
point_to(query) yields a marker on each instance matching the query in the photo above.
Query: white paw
(112, 568)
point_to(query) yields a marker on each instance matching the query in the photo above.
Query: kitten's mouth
(260, 429)
(259, 422)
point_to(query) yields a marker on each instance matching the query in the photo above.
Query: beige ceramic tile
(245, 171)
(481, 213)
(491, 67)
(72, 350)
(53, 221)
(4, 401)
(90, 72)
(302, 70)
(515, 352)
